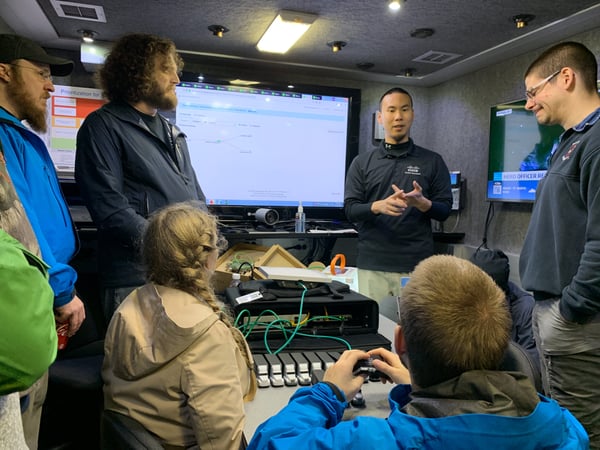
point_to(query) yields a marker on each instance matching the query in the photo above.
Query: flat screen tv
(519, 149)
(67, 109)
(269, 146)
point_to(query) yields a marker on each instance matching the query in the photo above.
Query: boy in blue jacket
(454, 330)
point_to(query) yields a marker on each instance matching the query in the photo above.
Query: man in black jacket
(130, 160)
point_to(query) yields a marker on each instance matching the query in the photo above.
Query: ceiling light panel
(285, 31)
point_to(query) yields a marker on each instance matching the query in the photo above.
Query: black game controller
(365, 366)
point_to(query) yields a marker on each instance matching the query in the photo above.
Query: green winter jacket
(28, 341)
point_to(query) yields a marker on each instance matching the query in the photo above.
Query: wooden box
(256, 255)
(276, 256)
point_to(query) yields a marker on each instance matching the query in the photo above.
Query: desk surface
(270, 400)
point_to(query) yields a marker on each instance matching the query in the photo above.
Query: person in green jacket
(28, 340)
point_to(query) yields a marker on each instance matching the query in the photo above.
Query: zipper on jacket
(175, 144)
(146, 205)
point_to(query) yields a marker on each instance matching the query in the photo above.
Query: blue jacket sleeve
(62, 276)
(309, 409)
(311, 420)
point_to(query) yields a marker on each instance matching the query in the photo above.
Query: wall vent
(79, 11)
(433, 57)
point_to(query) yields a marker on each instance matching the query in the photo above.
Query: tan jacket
(172, 365)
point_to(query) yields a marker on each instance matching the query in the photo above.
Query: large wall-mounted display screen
(519, 150)
(266, 147)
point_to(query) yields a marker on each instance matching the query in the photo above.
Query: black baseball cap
(17, 47)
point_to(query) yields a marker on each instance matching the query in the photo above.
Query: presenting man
(130, 160)
(25, 85)
(391, 194)
(560, 259)
(454, 330)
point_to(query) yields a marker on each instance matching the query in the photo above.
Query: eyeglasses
(45, 74)
(532, 92)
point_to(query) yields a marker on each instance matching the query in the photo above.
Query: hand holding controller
(365, 366)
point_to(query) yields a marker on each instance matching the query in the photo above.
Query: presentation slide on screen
(67, 109)
(253, 146)
(248, 146)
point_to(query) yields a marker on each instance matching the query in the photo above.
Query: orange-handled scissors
(342, 260)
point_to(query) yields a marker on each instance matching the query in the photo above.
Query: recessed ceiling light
(407, 73)
(87, 36)
(218, 30)
(336, 46)
(522, 20)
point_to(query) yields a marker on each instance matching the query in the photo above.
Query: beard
(161, 98)
(30, 106)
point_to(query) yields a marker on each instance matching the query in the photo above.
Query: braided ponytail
(178, 243)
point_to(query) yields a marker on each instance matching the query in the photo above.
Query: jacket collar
(382, 153)
(5, 116)
(477, 391)
(124, 111)
(590, 120)
(32, 136)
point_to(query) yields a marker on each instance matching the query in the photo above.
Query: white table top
(270, 400)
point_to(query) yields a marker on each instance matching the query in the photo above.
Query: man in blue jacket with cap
(26, 72)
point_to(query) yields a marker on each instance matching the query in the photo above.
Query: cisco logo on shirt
(413, 170)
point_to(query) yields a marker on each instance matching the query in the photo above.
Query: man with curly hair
(130, 160)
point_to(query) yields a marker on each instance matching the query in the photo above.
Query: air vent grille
(78, 11)
(434, 57)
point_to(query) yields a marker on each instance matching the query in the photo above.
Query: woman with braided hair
(174, 361)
